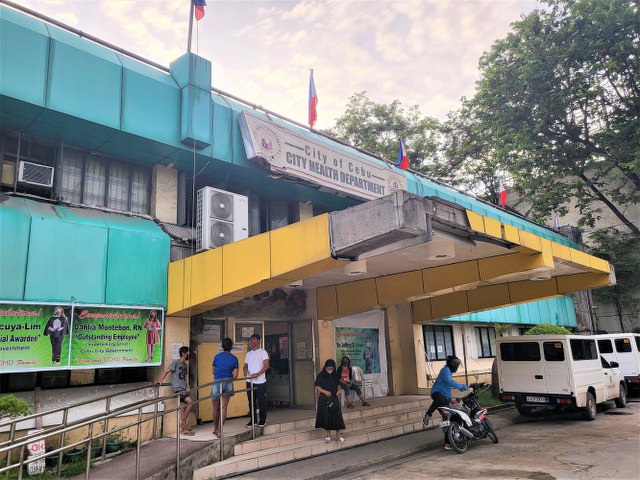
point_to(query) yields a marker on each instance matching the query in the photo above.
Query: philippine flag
(313, 101)
(199, 4)
(403, 160)
(503, 194)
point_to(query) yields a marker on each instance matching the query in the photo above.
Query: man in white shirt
(256, 363)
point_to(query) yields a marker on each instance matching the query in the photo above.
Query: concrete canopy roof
(444, 259)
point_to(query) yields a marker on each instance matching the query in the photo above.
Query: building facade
(320, 248)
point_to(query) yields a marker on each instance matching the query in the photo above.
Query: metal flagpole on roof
(190, 26)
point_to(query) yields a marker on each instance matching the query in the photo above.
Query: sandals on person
(366, 404)
(327, 440)
(189, 432)
(350, 405)
(340, 439)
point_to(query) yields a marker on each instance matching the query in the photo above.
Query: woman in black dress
(327, 387)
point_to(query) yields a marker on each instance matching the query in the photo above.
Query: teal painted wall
(15, 225)
(52, 253)
(557, 311)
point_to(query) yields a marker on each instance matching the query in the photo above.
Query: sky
(420, 52)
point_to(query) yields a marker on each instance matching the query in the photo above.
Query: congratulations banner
(33, 337)
(41, 337)
(107, 336)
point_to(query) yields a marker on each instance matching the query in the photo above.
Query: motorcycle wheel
(491, 433)
(457, 439)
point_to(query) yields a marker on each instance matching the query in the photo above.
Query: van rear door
(556, 363)
(520, 367)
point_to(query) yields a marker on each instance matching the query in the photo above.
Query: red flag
(313, 101)
(503, 194)
(199, 11)
(403, 160)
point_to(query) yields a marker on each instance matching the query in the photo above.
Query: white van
(623, 348)
(556, 371)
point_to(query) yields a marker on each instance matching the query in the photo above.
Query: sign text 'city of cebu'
(291, 154)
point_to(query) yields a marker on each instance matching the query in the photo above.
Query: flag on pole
(503, 194)
(403, 160)
(313, 100)
(556, 223)
(199, 12)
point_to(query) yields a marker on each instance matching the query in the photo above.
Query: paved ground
(543, 448)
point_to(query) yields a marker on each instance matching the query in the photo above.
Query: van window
(605, 364)
(623, 345)
(605, 346)
(553, 351)
(520, 352)
(637, 343)
(583, 349)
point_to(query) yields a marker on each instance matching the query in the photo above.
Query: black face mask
(345, 363)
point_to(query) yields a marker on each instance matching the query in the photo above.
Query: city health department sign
(36, 337)
(291, 154)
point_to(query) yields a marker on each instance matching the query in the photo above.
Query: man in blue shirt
(441, 390)
(224, 368)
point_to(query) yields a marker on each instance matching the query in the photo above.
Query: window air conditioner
(221, 217)
(35, 174)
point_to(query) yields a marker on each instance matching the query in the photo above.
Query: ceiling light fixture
(359, 267)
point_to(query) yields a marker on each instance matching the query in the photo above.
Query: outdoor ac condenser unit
(35, 174)
(221, 217)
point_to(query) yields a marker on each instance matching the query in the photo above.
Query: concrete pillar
(164, 193)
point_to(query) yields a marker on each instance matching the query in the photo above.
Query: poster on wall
(33, 337)
(361, 346)
(362, 338)
(110, 336)
(36, 337)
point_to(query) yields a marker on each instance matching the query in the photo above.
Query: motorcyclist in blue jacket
(441, 390)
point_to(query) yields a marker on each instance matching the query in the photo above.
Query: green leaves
(377, 127)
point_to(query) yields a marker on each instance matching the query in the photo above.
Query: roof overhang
(444, 259)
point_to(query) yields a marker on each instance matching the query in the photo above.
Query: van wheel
(526, 411)
(590, 410)
(621, 401)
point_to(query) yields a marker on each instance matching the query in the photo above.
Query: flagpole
(190, 26)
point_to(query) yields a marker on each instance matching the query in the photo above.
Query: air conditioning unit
(35, 174)
(221, 217)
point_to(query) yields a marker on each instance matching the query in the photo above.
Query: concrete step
(310, 433)
(349, 415)
(295, 450)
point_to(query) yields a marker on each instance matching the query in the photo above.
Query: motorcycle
(461, 424)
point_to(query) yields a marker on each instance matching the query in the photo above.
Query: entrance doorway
(291, 376)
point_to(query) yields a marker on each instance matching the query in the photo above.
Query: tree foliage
(11, 406)
(622, 252)
(559, 102)
(377, 127)
(547, 329)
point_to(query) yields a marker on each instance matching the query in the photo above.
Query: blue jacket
(444, 383)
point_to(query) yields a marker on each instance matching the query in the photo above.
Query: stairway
(290, 441)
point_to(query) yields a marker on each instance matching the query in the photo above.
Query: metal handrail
(73, 405)
(90, 421)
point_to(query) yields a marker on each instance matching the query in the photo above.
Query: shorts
(183, 396)
(222, 389)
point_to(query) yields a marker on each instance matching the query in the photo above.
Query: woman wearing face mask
(328, 415)
(346, 382)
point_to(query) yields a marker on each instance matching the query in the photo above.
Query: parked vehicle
(468, 422)
(557, 371)
(623, 348)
